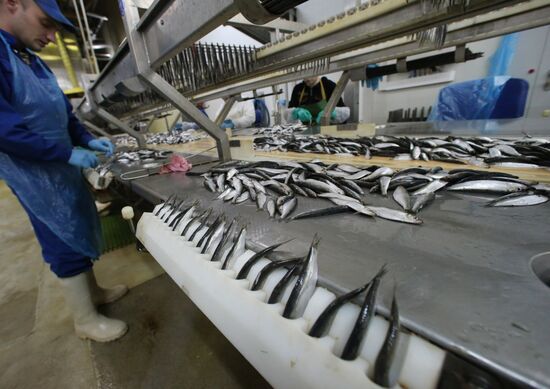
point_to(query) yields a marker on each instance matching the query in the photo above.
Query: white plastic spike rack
(279, 348)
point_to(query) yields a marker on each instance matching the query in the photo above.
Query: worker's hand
(320, 116)
(103, 145)
(83, 158)
(302, 115)
(227, 124)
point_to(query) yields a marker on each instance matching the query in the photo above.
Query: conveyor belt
(463, 277)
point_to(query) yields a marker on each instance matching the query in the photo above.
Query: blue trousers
(63, 260)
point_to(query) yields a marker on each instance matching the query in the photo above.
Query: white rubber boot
(104, 295)
(88, 323)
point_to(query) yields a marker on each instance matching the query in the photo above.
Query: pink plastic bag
(177, 164)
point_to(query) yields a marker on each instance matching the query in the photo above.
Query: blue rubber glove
(228, 123)
(302, 115)
(83, 158)
(103, 145)
(332, 115)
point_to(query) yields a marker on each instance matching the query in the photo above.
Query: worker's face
(29, 24)
(311, 82)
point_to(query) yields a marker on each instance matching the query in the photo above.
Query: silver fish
(518, 200)
(496, 186)
(242, 198)
(357, 336)
(394, 215)
(421, 201)
(243, 272)
(383, 171)
(323, 323)
(271, 207)
(238, 249)
(384, 184)
(261, 200)
(401, 197)
(385, 373)
(269, 269)
(304, 286)
(288, 207)
(432, 187)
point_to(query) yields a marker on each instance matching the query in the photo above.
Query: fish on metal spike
(214, 236)
(279, 289)
(269, 269)
(210, 230)
(384, 361)
(305, 284)
(165, 204)
(225, 238)
(190, 223)
(243, 273)
(173, 211)
(202, 223)
(323, 323)
(238, 249)
(357, 336)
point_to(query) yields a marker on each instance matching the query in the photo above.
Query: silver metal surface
(336, 94)
(463, 277)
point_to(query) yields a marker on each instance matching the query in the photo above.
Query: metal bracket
(336, 95)
(168, 92)
(229, 103)
(460, 53)
(96, 129)
(103, 114)
(401, 65)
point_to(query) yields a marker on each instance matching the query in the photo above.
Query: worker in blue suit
(43, 148)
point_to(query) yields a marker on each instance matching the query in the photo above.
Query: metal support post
(103, 114)
(96, 129)
(168, 92)
(100, 112)
(338, 91)
(228, 104)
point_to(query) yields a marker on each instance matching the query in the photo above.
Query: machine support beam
(333, 101)
(228, 104)
(103, 114)
(169, 93)
(96, 129)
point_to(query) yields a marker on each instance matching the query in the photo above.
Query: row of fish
(175, 137)
(144, 155)
(280, 129)
(225, 242)
(526, 152)
(276, 186)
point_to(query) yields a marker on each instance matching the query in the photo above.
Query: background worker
(41, 163)
(241, 115)
(309, 99)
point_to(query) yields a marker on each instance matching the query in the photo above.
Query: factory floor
(170, 343)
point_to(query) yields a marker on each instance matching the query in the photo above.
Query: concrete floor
(169, 344)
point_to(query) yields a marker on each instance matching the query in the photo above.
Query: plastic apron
(54, 192)
(315, 108)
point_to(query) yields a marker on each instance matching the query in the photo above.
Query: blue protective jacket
(15, 138)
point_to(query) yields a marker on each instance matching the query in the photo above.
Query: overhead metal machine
(160, 64)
